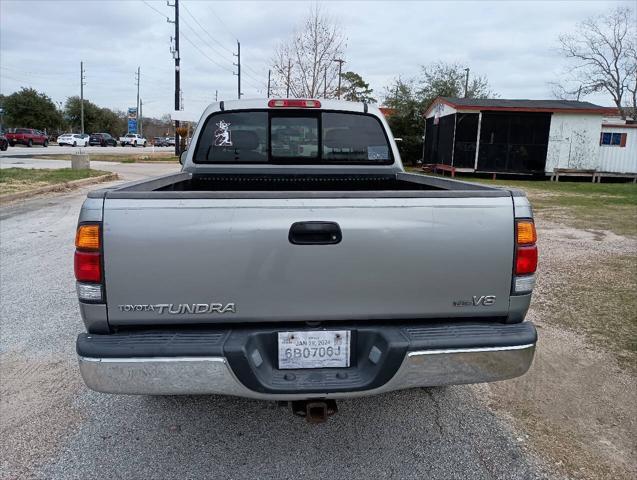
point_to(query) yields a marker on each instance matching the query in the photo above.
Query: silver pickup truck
(293, 259)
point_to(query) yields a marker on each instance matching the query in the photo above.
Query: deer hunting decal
(222, 134)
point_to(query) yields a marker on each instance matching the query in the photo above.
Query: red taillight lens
(526, 260)
(88, 267)
(294, 102)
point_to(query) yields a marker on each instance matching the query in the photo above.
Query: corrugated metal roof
(507, 103)
(515, 105)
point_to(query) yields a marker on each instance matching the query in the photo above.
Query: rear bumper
(411, 357)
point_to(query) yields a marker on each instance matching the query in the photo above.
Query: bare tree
(305, 64)
(631, 87)
(603, 53)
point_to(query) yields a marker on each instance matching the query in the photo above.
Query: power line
(14, 79)
(153, 8)
(206, 31)
(258, 80)
(218, 43)
(223, 23)
(201, 38)
(243, 65)
(208, 44)
(204, 54)
(35, 74)
(254, 71)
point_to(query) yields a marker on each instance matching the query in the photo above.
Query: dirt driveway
(577, 406)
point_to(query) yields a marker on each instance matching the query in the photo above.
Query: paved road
(20, 150)
(127, 171)
(53, 427)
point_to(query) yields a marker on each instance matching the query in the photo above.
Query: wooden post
(475, 166)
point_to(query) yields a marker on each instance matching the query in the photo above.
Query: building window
(613, 139)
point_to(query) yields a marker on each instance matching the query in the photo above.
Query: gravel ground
(54, 427)
(577, 402)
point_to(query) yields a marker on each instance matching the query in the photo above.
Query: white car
(73, 139)
(132, 139)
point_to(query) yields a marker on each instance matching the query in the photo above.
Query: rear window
(293, 136)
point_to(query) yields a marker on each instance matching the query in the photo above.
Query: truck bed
(232, 185)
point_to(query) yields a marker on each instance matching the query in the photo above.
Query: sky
(513, 44)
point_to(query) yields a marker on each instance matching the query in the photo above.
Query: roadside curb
(58, 187)
(167, 162)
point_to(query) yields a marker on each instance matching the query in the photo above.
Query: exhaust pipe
(314, 411)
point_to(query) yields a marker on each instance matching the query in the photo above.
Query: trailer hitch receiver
(314, 411)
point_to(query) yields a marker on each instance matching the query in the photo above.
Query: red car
(27, 136)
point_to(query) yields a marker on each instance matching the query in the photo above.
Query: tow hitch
(314, 411)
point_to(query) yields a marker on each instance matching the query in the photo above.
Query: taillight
(88, 267)
(294, 102)
(88, 262)
(526, 260)
(526, 256)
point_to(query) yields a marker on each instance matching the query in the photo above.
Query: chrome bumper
(212, 375)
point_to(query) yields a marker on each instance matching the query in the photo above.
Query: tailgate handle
(315, 233)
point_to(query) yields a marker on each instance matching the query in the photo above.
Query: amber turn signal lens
(526, 233)
(88, 237)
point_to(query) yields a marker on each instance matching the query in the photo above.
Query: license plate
(315, 349)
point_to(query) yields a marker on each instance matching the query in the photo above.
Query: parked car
(294, 259)
(132, 139)
(102, 139)
(73, 139)
(170, 141)
(160, 142)
(27, 136)
(4, 143)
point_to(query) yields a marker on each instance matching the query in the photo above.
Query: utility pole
(137, 77)
(325, 83)
(340, 66)
(238, 65)
(287, 94)
(466, 82)
(269, 72)
(82, 78)
(175, 53)
(216, 95)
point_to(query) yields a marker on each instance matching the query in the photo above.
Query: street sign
(132, 125)
(132, 120)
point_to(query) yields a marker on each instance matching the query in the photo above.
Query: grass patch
(598, 298)
(14, 180)
(586, 205)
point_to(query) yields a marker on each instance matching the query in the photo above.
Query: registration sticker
(314, 349)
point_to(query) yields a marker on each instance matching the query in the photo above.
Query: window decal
(222, 134)
(380, 152)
